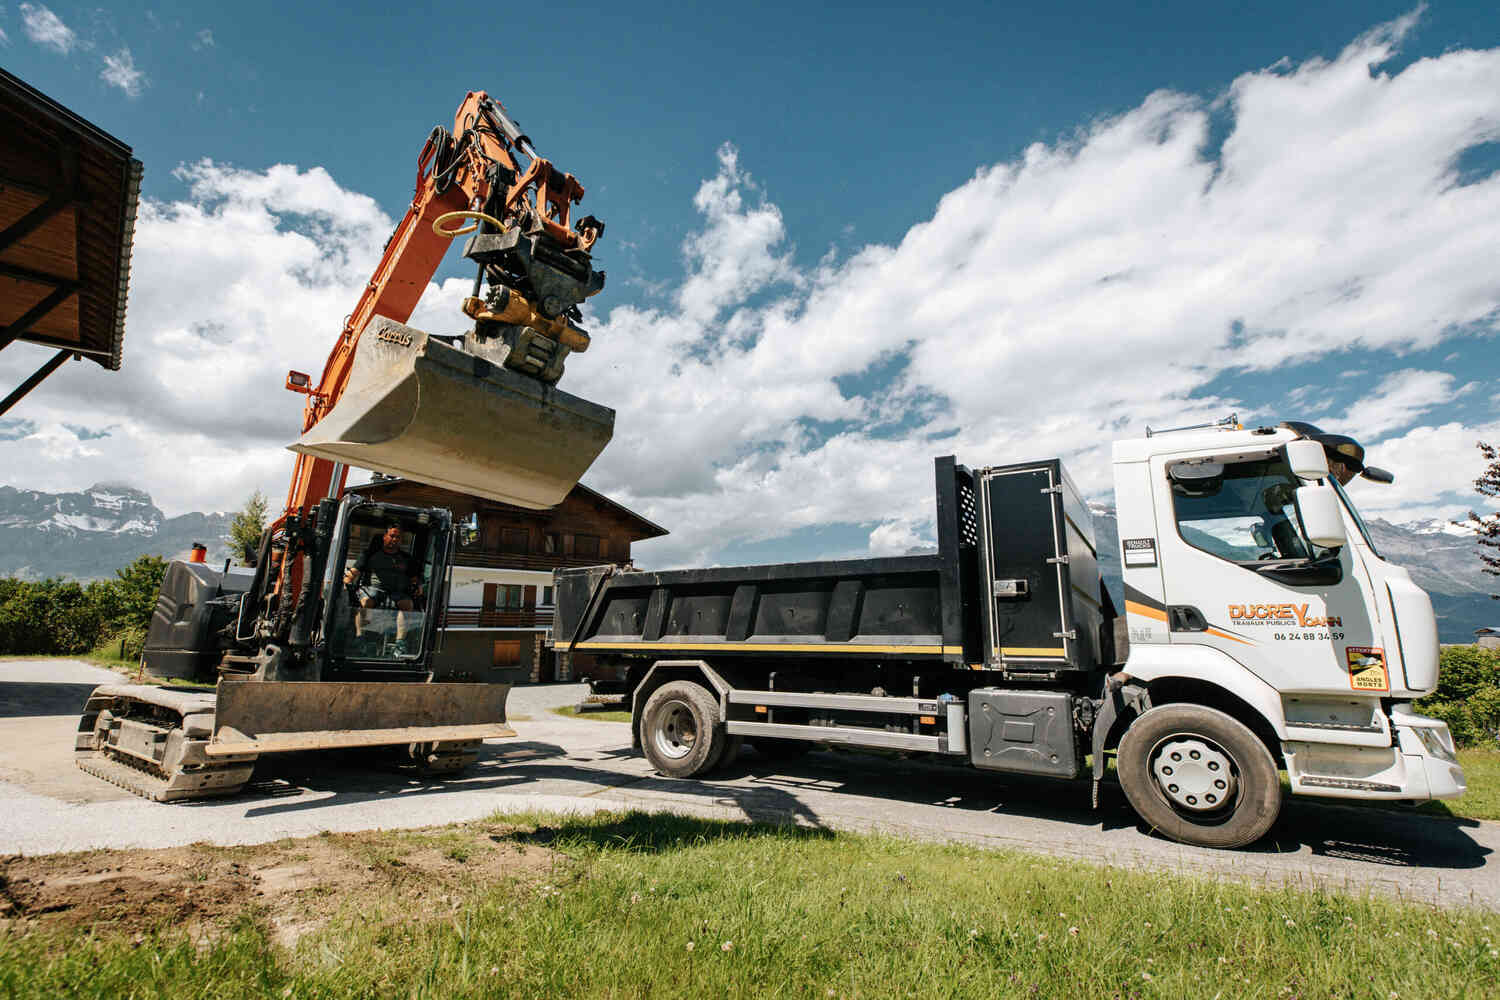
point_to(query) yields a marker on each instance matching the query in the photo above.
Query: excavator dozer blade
(255, 717)
(421, 408)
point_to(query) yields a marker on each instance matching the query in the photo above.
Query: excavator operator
(397, 580)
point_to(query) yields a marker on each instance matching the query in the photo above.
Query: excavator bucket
(421, 408)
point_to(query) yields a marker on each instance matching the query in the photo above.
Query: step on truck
(1261, 631)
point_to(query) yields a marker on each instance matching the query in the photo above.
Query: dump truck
(331, 643)
(1262, 630)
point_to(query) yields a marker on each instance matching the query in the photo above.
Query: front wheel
(1199, 776)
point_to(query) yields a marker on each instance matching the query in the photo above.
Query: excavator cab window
(389, 574)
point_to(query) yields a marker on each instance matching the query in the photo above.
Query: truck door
(1240, 575)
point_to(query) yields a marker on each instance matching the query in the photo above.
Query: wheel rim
(1195, 775)
(676, 730)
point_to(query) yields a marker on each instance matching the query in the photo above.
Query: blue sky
(776, 175)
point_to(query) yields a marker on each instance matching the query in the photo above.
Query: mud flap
(272, 717)
(418, 407)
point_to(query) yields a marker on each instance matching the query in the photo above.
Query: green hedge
(1468, 695)
(66, 617)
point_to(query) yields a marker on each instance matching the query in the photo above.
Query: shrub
(1467, 695)
(66, 617)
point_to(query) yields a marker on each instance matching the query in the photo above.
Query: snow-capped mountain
(90, 534)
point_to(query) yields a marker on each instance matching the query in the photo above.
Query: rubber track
(143, 782)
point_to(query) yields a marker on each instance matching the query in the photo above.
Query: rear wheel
(1199, 776)
(680, 730)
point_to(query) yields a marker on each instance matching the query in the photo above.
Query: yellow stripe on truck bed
(776, 647)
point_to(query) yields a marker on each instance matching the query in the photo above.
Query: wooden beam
(35, 380)
(38, 277)
(12, 333)
(28, 223)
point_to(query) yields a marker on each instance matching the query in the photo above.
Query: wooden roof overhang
(640, 528)
(68, 197)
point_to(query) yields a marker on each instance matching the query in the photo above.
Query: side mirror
(1307, 459)
(1322, 515)
(468, 530)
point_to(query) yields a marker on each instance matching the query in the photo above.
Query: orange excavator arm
(484, 176)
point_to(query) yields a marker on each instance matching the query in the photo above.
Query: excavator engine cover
(421, 408)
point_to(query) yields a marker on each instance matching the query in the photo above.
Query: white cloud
(203, 40)
(120, 71)
(1049, 305)
(47, 29)
(1400, 399)
(894, 538)
(1435, 467)
(225, 297)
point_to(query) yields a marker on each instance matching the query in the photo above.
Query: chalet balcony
(471, 616)
(491, 559)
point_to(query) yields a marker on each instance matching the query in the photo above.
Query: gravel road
(578, 765)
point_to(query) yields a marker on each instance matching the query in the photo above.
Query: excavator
(309, 653)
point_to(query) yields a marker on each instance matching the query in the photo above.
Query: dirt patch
(293, 886)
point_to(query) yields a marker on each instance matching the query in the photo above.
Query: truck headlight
(1437, 742)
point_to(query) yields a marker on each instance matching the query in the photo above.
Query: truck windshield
(1246, 514)
(1354, 513)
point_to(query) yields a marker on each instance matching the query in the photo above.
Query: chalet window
(511, 595)
(587, 545)
(546, 597)
(517, 540)
(552, 544)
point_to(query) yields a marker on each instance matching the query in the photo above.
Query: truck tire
(1199, 776)
(680, 730)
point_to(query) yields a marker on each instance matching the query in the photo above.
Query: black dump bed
(920, 607)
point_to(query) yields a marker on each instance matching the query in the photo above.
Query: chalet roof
(68, 196)
(644, 528)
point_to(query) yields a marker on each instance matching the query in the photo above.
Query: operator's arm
(355, 571)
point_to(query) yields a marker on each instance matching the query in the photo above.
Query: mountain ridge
(88, 534)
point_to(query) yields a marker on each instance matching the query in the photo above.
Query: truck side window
(1246, 514)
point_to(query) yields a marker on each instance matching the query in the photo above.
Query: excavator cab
(383, 588)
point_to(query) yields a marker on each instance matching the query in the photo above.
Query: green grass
(595, 715)
(1482, 800)
(664, 906)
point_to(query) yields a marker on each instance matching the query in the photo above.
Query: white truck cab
(1249, 572)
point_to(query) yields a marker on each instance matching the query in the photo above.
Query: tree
(246, 528)
(1487, 526)
(136, 588)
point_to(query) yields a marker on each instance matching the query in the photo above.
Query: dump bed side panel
(865, 607)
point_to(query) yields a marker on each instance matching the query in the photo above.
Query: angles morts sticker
(1367, 669)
